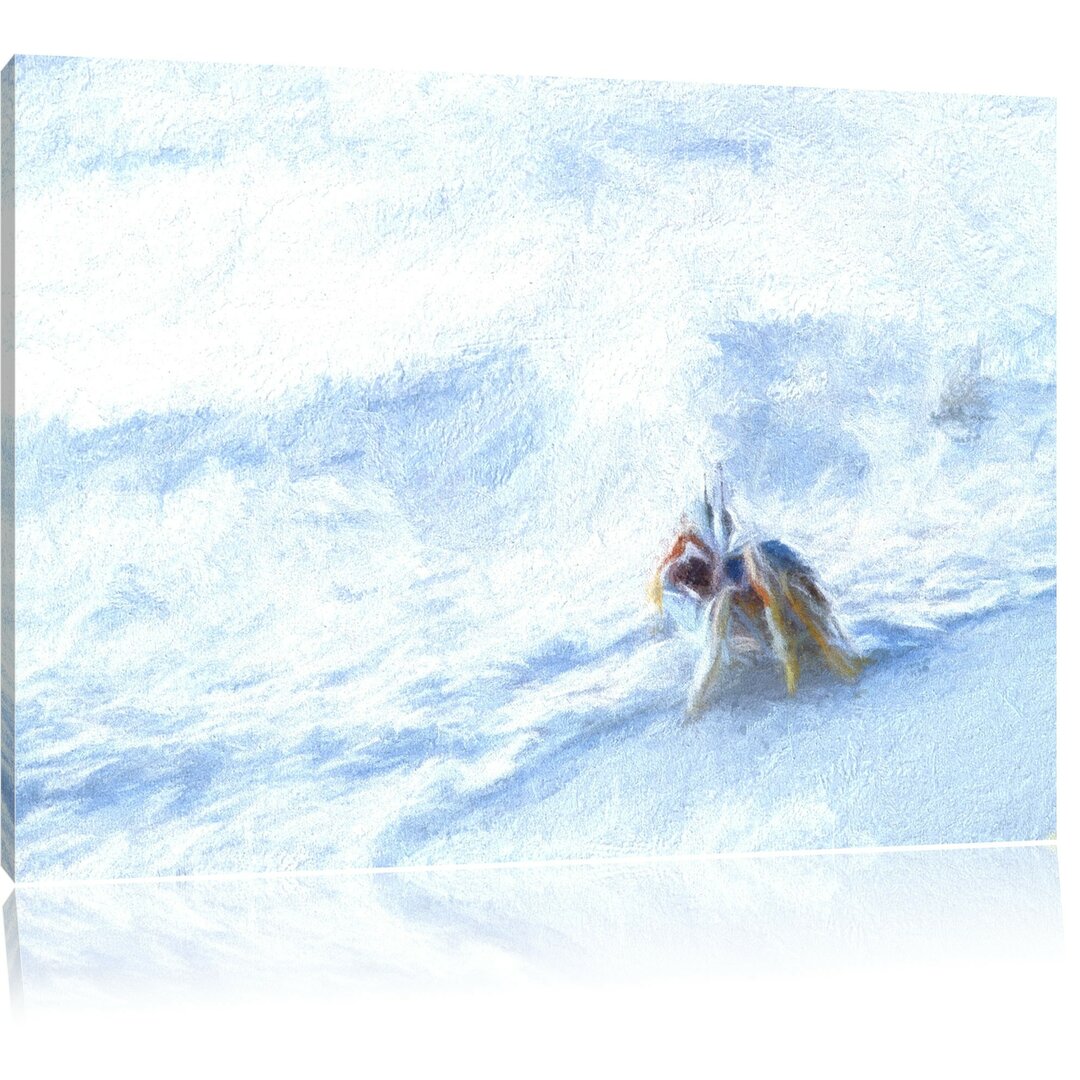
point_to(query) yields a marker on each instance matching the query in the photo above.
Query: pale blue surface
(326, 591)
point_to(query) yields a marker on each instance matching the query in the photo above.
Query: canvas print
(409, 469)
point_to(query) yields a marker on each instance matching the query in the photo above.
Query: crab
(756, 596)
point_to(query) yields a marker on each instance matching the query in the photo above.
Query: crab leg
(746, 620)
(837, 661)
(784, 645)
(783, 642)
(715, 654)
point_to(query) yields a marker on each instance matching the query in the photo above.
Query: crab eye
(735, 569)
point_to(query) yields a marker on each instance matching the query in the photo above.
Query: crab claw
(656, 588)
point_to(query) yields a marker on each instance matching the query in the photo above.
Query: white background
(920, 1019)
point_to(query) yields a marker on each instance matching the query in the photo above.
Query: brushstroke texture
(355, 411)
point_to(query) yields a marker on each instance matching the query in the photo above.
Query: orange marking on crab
(696, 575)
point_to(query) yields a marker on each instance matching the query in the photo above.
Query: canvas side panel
(7, 467)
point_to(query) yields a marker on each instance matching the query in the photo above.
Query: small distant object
(759, 595)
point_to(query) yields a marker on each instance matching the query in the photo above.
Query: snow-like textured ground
(952, 744)
(354, 411)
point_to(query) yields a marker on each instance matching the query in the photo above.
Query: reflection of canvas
(316, 935)
(353, 414)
